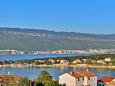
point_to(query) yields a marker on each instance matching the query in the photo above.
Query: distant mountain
(33, 39)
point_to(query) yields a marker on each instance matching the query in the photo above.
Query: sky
(85, 16)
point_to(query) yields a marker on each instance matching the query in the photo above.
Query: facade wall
(92, 81)
(85, 80)
(67, 79)
(79, 81)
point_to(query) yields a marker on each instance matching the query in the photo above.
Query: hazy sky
(89, 16)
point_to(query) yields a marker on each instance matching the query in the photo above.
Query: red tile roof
(76, 74)
(87, 73)
(10, 78)
(82, 74)
(107, 78)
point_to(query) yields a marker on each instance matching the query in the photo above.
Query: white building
(81, 78)
(107, 59)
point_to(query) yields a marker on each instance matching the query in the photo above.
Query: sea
(32, 73)
(15, 57)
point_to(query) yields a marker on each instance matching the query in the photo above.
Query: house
(106, 81)
(112, 83)
(9, 78)
(107, 59)
(51, 60)
(93, 62)
(77, 61)
(84, 61)
(63, 61)
(100, 83)
(81, 78)
(101, 62)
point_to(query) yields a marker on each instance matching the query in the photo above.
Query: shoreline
(76, 66)
(58, 66)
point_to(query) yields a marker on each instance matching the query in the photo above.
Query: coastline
(58, 66)
(76, 66)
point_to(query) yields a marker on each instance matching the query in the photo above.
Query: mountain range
(34, 39)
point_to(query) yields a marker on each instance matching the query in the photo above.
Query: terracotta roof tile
(82, 74)
(10, 77)
(107, 78)
(76, 74)
(87, 73)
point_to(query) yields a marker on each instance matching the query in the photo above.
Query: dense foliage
(45, 79)
(24, 82)
(89, 59)
(10, 82)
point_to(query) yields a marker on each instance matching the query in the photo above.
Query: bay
(34, 56)
(32, 73)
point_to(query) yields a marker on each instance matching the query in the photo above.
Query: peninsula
(95, 61)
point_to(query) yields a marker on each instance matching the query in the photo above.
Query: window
(78, 79)
(89, 78)
(83, 79)
(64, 84)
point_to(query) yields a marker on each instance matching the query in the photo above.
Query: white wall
(85, 80)
(80, 82)
(72, 81)
(67, 79)
(92, 81)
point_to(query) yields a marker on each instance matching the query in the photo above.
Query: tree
(24, 82)
(45, 79)
(9, 81)
(44, 76)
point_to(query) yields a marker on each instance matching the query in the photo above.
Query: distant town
(94, 61)
(87, 51)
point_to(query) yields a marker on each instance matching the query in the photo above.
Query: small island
(93, 61)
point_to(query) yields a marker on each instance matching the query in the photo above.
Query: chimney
(87, 70)
(70, 73)
(8, 72)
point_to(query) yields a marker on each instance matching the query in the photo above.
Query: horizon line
(46, 29)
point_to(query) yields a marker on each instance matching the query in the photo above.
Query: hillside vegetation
(31, 39)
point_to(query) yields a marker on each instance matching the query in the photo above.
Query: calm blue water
(33, 56)
(55, 72)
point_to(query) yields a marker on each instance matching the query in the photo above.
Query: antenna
(8, 72)
(87, 70)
